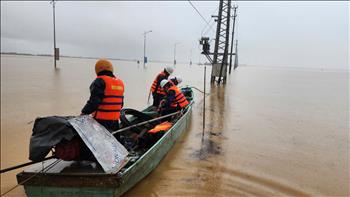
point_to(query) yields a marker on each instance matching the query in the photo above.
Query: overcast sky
(308, 34)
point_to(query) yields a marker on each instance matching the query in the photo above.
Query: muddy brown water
(268, 132)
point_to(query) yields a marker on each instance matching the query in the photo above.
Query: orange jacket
(161, 127)
(155, 88)
(112, 102)
(180, 99)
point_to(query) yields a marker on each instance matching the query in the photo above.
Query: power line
(211, 26)
(199, 13)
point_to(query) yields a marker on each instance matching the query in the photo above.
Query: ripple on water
(214, 179)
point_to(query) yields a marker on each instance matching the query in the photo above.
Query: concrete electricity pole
(144, 47)
(55, 50)
(175, 52)
(191, 57)
(233, 34)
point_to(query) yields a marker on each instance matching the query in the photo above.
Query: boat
(69, 178)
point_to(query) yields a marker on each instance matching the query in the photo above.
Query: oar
(35, 174)
(145, 122)
(24, 164)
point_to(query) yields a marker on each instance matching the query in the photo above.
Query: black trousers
(156, 99)
(110, 125)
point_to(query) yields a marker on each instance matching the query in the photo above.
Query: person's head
(103, 65)
(168, 70)
(165, 84)
(176, 80)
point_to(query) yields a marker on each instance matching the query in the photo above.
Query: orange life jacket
(180, 99)
(112, 102)
(161, 127)
(156, 84)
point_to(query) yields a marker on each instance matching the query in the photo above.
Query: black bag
(47, 132)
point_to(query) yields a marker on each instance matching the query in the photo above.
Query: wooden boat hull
(104, 185)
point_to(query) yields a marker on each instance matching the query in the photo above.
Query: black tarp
(47, 132)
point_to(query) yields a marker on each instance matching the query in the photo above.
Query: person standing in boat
(174, 100)
(157, 91)
(106, 96)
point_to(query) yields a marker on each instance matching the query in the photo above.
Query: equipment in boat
(164, 126)
(65, 179)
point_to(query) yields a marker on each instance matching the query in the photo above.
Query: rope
(43, 170)
(24, 164)
(198, 90)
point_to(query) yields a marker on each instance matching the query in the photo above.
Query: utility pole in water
(144, 47)
(55, 50)
(236, 57)
(221, 49)
(191, 57)
(221, 42)
(175, 52)
(232, 37)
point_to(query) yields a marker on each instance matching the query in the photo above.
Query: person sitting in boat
(175, 80)
(157, 91)
(106, 96)
(174, 101)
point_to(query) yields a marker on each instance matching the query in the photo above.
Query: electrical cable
(211, 26)
(199, 13)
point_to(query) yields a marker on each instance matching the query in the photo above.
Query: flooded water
(269, 131)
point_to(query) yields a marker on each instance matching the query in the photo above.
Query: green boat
(67, 179)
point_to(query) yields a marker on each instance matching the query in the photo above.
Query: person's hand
(160, 106)
(162, 103)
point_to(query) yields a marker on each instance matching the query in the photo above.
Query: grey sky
(309, 34)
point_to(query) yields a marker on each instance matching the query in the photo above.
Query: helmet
(163, 83)
(169, 70)
(176, 79)
(103, 64)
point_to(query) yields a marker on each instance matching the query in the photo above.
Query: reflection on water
(215, 118)
(268, 132)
